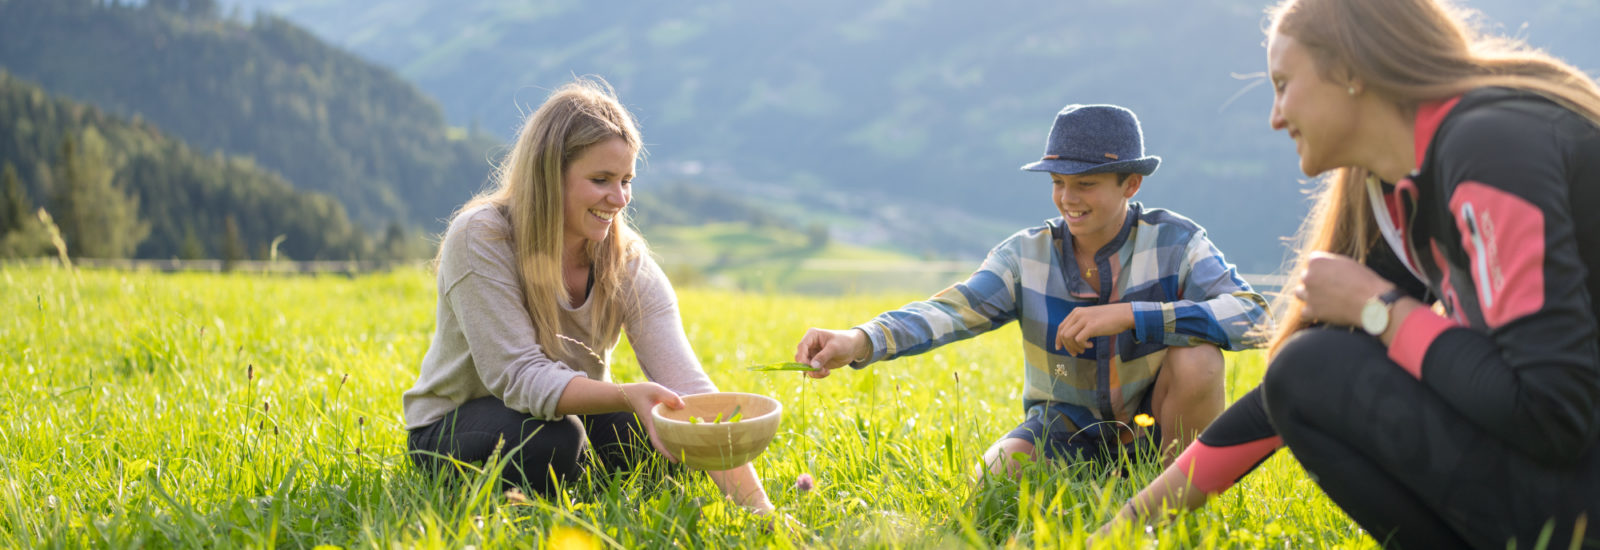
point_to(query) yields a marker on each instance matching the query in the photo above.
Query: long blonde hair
(528, 189)
(1409, 52)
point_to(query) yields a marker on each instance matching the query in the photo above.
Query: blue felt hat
(1095, 139)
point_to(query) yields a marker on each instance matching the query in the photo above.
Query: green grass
(141, 409)
(773, 259)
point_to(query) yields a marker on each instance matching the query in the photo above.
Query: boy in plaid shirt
(1123, 309)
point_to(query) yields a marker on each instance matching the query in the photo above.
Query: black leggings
(542, 453)
(1402, 462)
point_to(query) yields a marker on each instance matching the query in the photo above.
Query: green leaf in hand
(784, 366)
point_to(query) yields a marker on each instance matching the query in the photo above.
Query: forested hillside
(324, 119)
(118, 188)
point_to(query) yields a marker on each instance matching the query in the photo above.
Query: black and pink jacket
(1501, 223)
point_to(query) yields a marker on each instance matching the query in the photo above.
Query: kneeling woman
(1464, 170)
(537, 279)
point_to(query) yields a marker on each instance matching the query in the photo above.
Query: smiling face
(1320, 116)
(597, 184)
(1094, 205)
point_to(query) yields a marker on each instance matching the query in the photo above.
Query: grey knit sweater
(485, 345)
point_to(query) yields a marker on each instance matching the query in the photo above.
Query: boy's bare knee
(1000, 458)
(1194, 364)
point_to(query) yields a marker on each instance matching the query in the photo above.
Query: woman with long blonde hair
(1461, 171)
(537, 280)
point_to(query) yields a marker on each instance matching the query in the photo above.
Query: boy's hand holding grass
(826, 350)
(1085, 323)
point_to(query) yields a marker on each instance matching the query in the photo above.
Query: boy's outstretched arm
(985, 301)
(826, 349)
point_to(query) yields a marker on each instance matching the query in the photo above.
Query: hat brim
(1143, 165)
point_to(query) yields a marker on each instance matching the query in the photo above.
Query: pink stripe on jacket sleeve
(1412, 339)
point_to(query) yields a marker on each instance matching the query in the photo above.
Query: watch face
(1374, 317)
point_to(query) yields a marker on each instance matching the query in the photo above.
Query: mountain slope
(853, 110)
(323, 118)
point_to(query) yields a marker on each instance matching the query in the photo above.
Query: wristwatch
(1375, 313)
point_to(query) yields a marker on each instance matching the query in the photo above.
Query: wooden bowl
(705, 444)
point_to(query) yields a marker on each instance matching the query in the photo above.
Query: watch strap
(1375, 313)
(1392, 296)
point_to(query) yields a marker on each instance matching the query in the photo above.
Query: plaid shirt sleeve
(1216, 305)
(985, 301)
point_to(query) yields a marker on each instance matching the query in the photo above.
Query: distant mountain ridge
(905, 117)
(323, 118)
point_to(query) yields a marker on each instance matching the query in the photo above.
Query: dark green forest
(120, 188)
(321, 118)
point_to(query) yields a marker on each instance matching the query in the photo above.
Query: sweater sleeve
(1216, 305)
(655, 330)
(1533, 378)
(489, 305)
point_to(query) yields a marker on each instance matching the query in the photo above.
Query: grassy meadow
(769, 259)
(238, 410)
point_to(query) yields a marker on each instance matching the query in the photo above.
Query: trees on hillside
(97, 218)
(14, 203)
(319, 117)
(119, 188)
(197, 8)
(22, 234)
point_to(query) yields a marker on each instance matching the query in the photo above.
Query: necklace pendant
(1089, 273)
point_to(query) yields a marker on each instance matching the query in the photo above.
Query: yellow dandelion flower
(566, 537)
(1144, 420)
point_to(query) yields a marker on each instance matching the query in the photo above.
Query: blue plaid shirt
(1181, 289)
